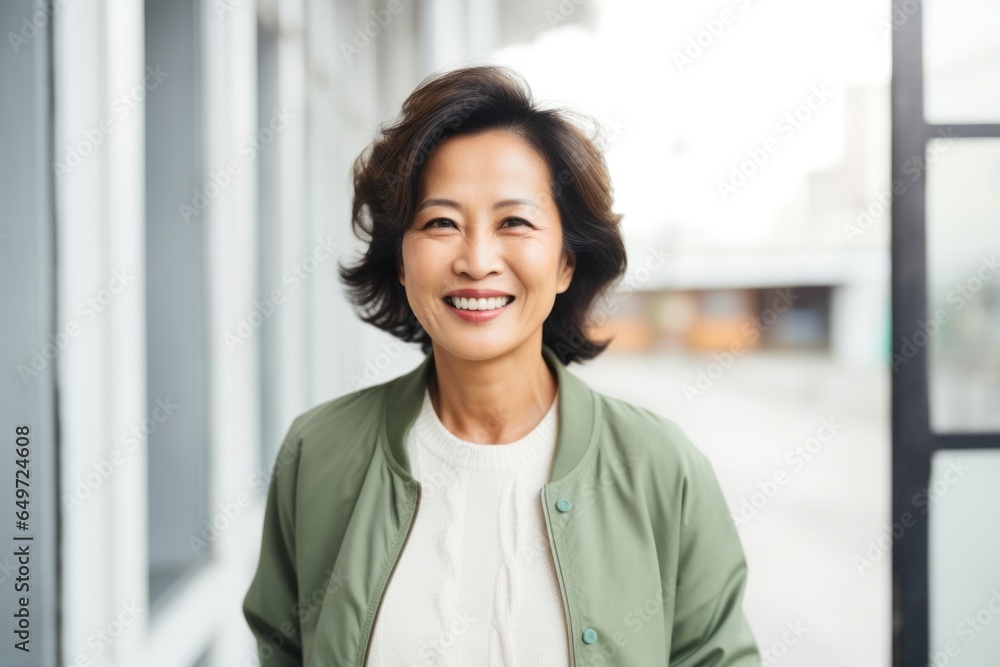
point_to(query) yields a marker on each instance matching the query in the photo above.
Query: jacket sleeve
(709, 626)
(271, 602)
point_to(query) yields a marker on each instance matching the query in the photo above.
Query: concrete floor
(802, 541)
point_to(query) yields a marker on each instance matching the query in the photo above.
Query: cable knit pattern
(476, 584)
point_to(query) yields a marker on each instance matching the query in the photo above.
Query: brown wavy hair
(467, 101)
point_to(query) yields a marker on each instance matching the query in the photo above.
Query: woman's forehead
(502, 169)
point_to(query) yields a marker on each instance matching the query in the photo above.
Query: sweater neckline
(531, 450)
(579, 414)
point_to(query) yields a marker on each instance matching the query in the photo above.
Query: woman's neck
(492, 402)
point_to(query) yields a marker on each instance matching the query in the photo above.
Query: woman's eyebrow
(516, 202)
(451, 203)
(438, 202)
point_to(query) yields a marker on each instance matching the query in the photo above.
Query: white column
(98, 81)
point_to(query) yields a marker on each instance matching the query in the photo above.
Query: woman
(488, 507)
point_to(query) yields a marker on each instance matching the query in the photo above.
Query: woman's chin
(474, 346)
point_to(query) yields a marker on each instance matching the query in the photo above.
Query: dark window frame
(913, 441)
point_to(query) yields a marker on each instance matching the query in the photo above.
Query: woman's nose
(479, 255)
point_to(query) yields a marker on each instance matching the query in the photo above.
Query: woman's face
(484, 220)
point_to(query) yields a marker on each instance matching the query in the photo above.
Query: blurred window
(176, 336)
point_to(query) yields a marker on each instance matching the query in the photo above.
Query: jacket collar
(577, 415)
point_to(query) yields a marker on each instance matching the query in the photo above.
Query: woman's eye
(433, 224)
(520, 220)
(436, 220)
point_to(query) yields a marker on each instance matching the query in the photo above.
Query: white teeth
(478, 304)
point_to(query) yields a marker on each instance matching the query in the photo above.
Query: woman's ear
(566, 270)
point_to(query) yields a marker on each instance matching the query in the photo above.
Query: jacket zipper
(559, 576)
(381, 595)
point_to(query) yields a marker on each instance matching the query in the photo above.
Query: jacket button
(589, 636)
(563, 505)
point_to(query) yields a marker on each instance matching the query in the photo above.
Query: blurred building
(817, 280)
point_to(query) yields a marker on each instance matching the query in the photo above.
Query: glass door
(946, 332)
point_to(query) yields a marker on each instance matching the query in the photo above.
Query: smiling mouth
(492, 303)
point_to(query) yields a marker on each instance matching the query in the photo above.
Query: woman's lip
(478, 294)
(477, 315)
(509, 298)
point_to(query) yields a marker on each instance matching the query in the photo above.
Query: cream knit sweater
(475, 585)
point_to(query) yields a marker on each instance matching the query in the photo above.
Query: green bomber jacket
(650, 565)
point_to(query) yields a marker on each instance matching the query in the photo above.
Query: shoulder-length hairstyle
(467, 101)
